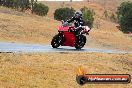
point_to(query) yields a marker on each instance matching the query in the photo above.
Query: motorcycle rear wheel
(80, 41)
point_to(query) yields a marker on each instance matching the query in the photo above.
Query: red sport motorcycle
(66, 36)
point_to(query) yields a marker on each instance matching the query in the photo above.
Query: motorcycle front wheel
(56, 41)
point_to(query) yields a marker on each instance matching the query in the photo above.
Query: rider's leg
(78, 31)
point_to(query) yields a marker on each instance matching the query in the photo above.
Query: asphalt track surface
(33, 48)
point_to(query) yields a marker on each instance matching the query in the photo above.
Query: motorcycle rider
(78, 22)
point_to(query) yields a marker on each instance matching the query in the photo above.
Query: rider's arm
(70, 20)
(82, 23)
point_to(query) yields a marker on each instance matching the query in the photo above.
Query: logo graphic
(83, 78)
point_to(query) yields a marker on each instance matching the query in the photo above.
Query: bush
(63, 13)
(125, 16)
(88, 16)
(18, 4)
(40, 9)
(106, 14)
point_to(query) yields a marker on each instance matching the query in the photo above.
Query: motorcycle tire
(80, 41)
(56, 41)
